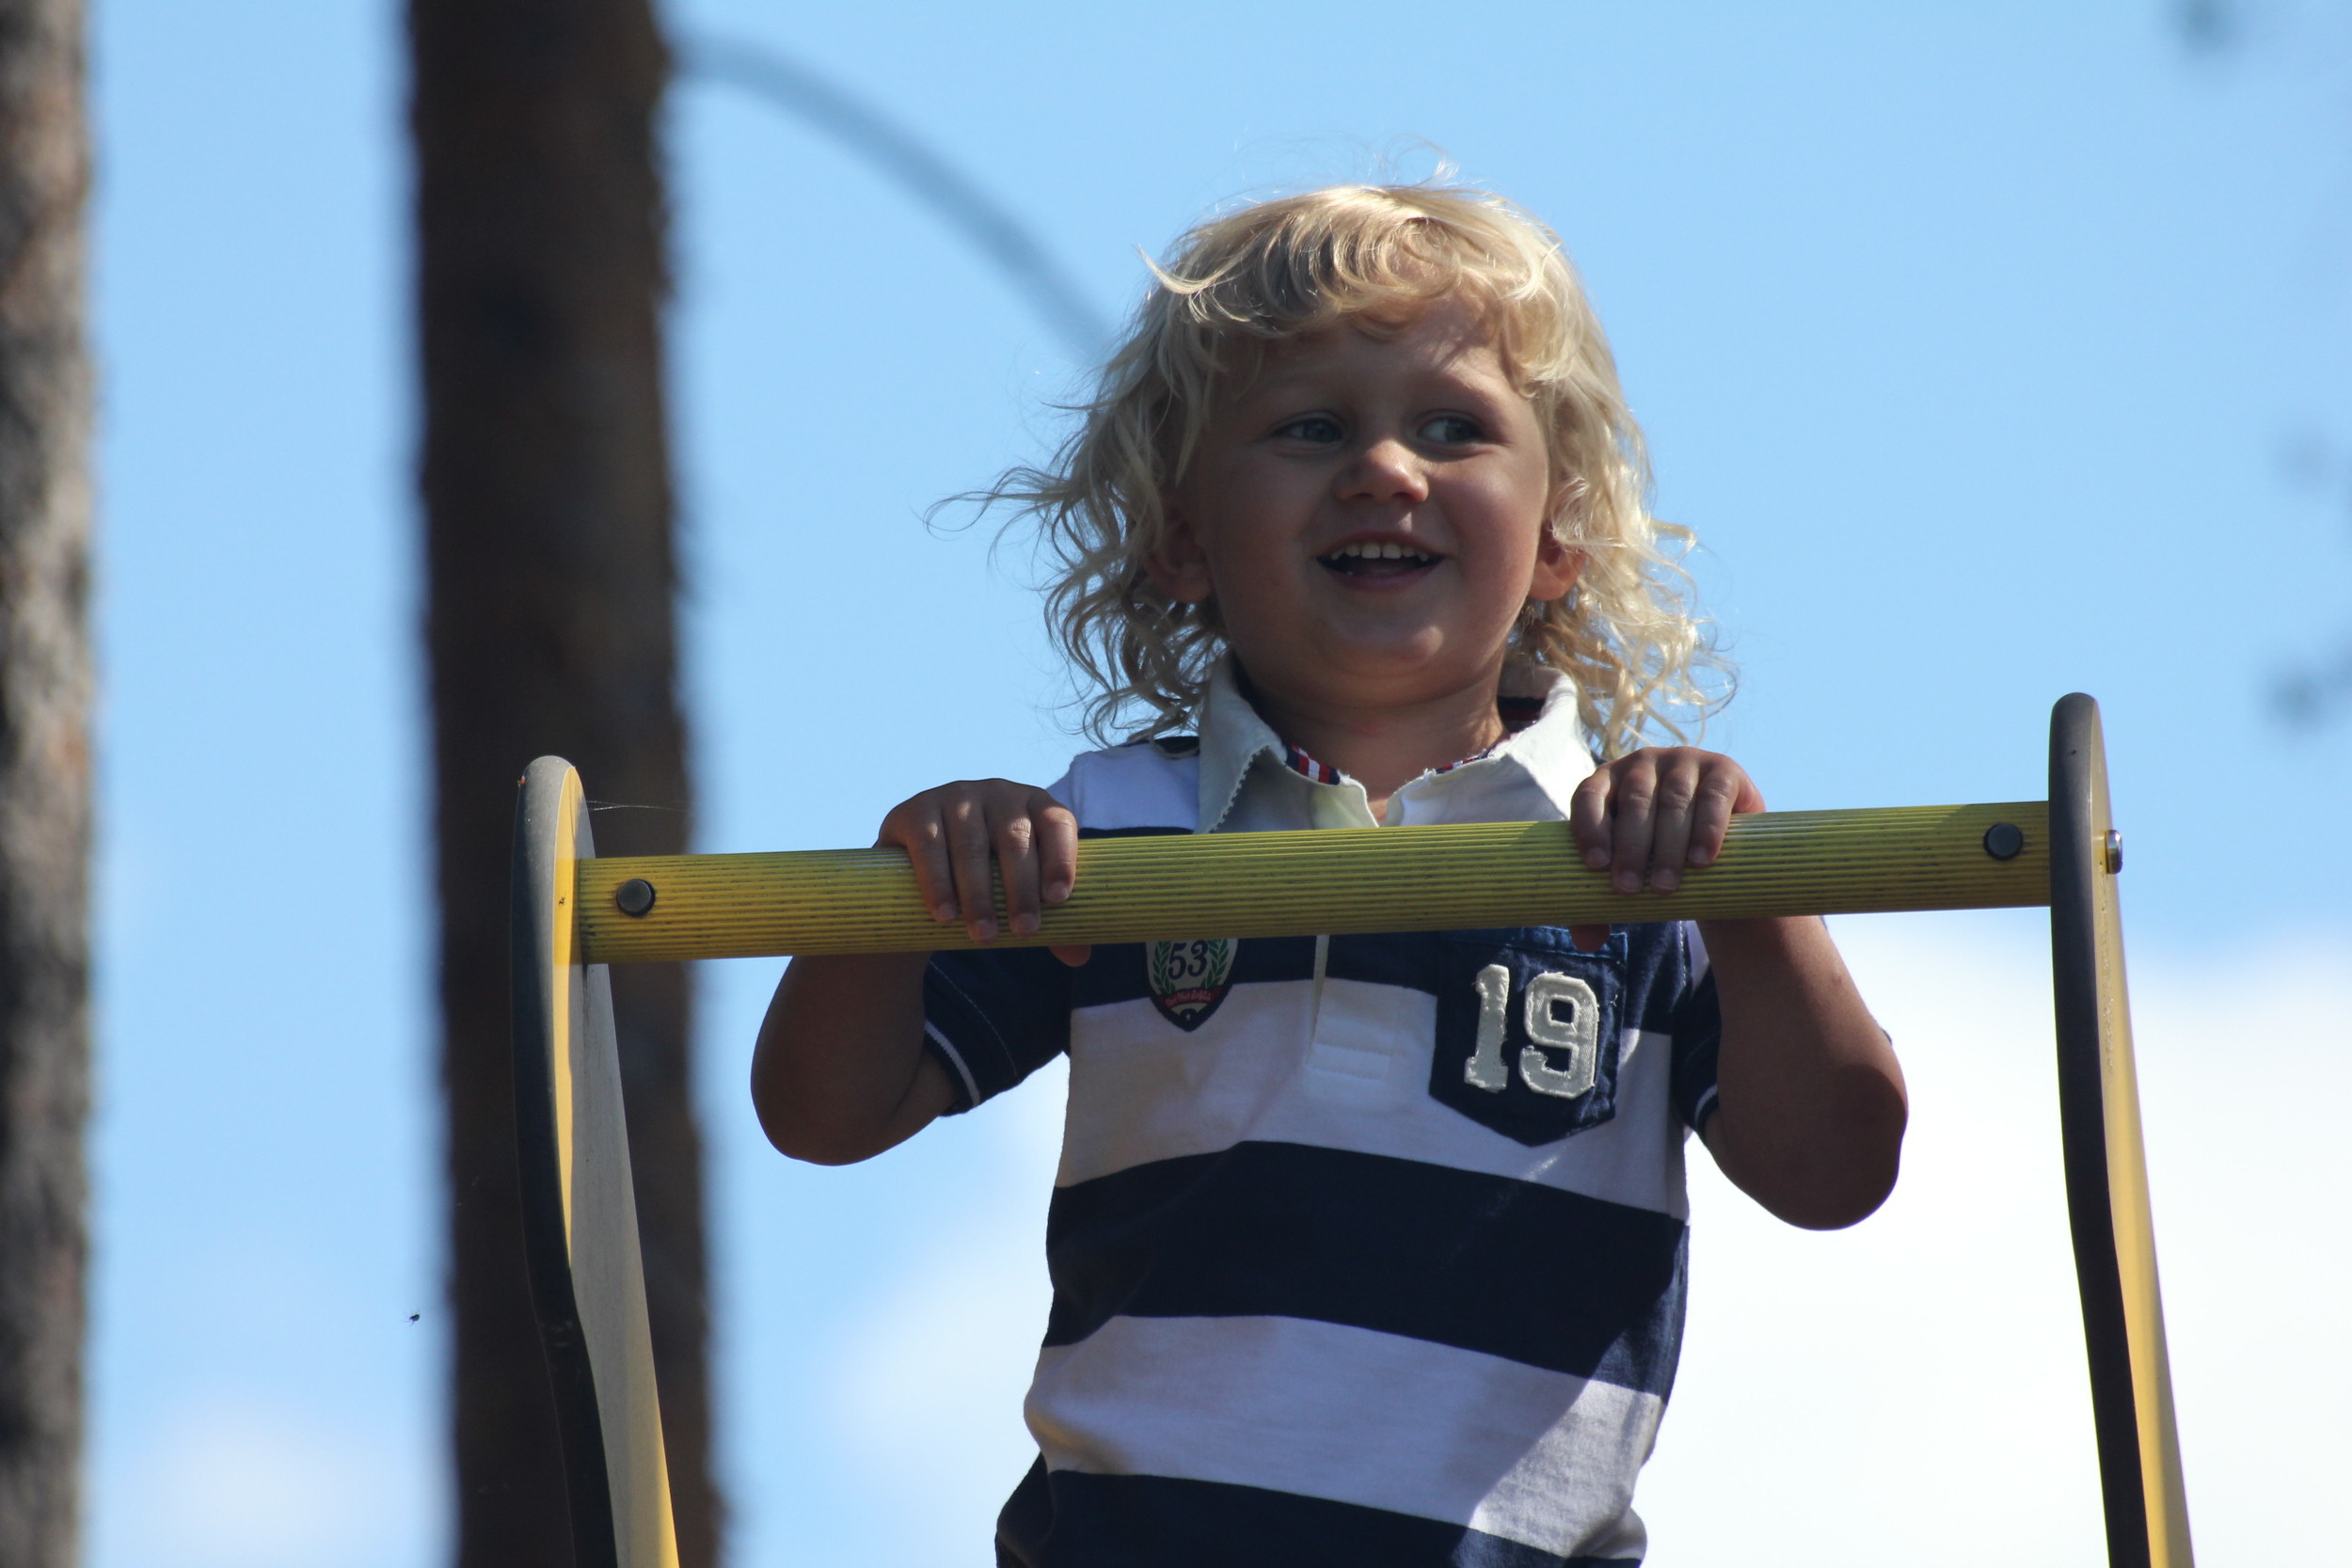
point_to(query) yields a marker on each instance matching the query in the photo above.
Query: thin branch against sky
(899, 153)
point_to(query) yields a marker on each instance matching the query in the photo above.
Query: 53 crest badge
(1189, 979)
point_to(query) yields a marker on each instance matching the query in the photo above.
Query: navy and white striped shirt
(1365, 1249)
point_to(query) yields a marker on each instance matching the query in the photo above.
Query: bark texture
(551, 578)
(44, 779)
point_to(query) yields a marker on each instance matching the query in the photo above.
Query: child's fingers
(1036, 851)
(1645, 817)
(1718, 796)
(1632, 800)
(1588, 818)
(968, 849)
(1015, 837)
(1671, 812)
(958, 836)
(915, 827)
(1057, 848)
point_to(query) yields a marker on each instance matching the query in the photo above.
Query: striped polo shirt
(1365, 1249)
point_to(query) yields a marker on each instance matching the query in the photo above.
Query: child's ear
(1558, 565)
(1177, 566)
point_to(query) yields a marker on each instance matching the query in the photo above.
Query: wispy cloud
(235, 1483)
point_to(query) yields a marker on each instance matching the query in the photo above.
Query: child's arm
(840, 1073)
(1809, 1100)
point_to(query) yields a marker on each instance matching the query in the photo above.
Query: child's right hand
(948, 835)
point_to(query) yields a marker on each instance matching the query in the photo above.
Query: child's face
(1369, 515)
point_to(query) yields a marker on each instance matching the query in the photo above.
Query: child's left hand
(1810, 1109)
(1645, 817)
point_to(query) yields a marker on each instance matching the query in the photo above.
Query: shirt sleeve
(1698, 1033)
(994, 1016)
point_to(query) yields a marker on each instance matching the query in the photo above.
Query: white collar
(1552, 752)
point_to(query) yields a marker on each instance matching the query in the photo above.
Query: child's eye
(1317, 429)
(1452, 430)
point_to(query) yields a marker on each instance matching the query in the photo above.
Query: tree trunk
(551, 576)
(44, 779)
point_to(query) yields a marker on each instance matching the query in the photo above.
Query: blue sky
(1992, 352)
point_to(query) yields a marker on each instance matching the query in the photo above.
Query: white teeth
(1387, 550)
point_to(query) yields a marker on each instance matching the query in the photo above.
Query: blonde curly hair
(1239, 286)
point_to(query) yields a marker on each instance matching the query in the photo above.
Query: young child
(1365, 1249)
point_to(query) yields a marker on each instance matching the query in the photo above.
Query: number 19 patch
(1528, 1032)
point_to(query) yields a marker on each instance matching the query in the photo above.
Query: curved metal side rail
(579, 1211)
(2107, 1162)
(574, 914)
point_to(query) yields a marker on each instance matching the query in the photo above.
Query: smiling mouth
(1376, 560)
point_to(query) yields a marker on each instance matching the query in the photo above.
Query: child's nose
(1386, 471)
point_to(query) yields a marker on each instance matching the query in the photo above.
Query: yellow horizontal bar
(1185, 885)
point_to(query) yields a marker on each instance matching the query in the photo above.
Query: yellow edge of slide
(601, 1215)
(2163, 1487)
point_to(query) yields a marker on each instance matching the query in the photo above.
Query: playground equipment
(574, 914)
